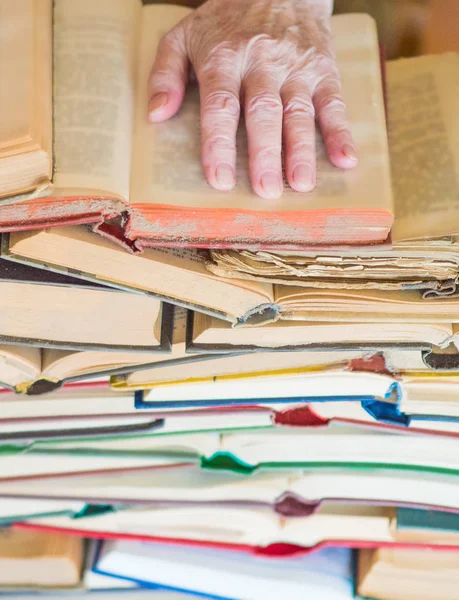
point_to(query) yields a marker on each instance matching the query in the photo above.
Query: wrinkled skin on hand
(273, 58)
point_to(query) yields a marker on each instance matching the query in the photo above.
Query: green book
(435, 520)
(270, 448)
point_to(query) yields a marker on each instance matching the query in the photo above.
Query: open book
(109, 162)
(424, 152)
(89, 316)
(180, 276)
(288, 493)
(214, 573)
(403, 283)
(270, 448)
(208, 334)
(258, 364)
(34, 370)
(240, 528)
(252, 526)
(13, 510)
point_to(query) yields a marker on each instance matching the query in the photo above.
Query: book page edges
(235, 228)
(53, 211)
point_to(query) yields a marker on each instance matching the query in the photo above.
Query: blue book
(384, 407)
(224, 575)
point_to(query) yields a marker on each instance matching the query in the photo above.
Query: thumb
(168, 78)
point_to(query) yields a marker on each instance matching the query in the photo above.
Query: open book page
(25, 95)
(43, 54)
(17, 68)
(294, 294)
(19, 364)
(184, 276)
(363, 305)
(176, 273)
(60, 364)
(167, 166)
(17, 71)
(424, 144)
(297, 329)
(95, 55)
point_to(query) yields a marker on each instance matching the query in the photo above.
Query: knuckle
(218, 144)
(264, 103)
(222, 102)
(260, 45)
(300, 148)
(167, 41)
(332, 102)
(224, 54)
(326, 64)
(164, 41)
(299, 106)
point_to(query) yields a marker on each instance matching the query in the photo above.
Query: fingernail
(304, 178)
(157, 101)
(271, 184)
(350, 152)
(224, 175)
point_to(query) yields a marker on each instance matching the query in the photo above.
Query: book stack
(203, 394)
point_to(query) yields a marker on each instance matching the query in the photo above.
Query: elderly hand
(273, 57)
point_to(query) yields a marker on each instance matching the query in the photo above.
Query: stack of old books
(203, 393)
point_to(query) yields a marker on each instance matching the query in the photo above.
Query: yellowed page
(364, 306)
(16, 73)
(302, 331)
(17, 70)
(28, 355)
(166, 168)
(25, 95)
(176, 273)
(43, 123)
(95, 316)
(19, 364)
(60, 364)
(94, 65)
(424, 142)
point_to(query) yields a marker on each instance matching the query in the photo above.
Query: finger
(299, 136)
(220, 108)
(331, 113)
(263, 119)
(168, 78)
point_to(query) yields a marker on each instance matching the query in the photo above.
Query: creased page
(94, 71)
(424, 145)
(167, 164)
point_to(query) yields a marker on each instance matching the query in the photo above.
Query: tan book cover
(34, 559)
